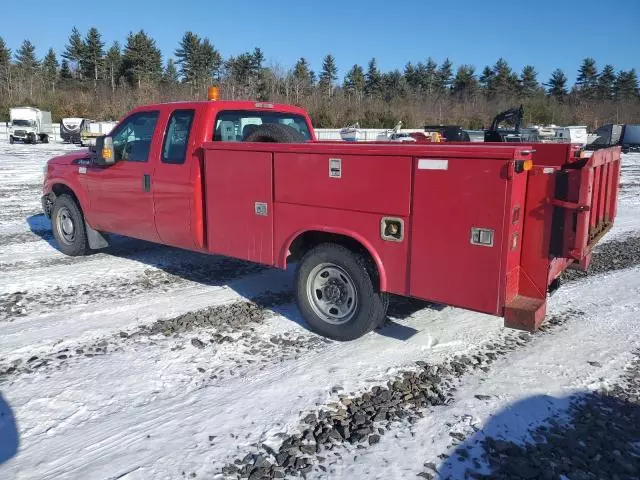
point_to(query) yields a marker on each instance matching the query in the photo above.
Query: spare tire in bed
(275, 133)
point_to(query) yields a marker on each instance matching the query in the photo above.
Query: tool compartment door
(239, 204)
(450, 198)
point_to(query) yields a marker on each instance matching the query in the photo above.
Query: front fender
(71, 182)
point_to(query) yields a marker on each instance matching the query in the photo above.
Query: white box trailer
(29, 125)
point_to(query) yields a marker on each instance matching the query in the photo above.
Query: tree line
(91, 79)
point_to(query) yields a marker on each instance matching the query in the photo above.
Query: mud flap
(95, 238)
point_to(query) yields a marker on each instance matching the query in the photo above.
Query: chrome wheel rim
(332, 293)
(65, 226)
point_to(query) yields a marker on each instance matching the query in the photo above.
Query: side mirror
(102, 153)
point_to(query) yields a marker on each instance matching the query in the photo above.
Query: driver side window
(132, 139)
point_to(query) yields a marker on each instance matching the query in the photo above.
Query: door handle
(146, 182)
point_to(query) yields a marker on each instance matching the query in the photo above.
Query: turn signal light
(213, 93)
(107, 153)
(523, 165)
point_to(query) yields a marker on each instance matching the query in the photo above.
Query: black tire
(33, 139)
(71, 241)
(11, 140)
(275, 133)
(370, 304)
(45, 139)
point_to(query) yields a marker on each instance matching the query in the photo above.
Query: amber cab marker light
(107, 153)
(213, 93)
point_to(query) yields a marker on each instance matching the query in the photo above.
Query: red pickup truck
(486, 227)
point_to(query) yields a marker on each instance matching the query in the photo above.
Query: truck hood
(69, 158)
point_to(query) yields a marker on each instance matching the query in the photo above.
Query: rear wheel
(337, 293)
(67, 223)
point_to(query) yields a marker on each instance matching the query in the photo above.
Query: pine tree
(465, 83)
(429, 75)
(187, 54)
(587, 81)
(198, 59)
(354, 81)
(328, 75)
(393, 85)
(528, 83)
(626, 86)
(503, 82)
(444, 76)
(557, 85)
(606, 83)
(5, 65)
(27, 63)
(92, 61)
(112, 64)
(50, 69)
(486, 79)
(65, 71)
(411, 76)
(74, 51)
(170, 76)
(303, 78)
(373, 80)
(141, 59)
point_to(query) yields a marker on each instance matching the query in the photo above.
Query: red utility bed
(479, 231)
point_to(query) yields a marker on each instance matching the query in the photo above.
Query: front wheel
(67, 223)
(11, 140)
(337, 293)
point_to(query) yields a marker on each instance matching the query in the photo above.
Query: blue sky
(546, 34)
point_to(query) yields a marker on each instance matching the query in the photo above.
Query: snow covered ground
(147, 362)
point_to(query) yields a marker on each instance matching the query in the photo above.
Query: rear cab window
(176, 137)
(237, 125)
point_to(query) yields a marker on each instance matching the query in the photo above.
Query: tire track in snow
(162, 277)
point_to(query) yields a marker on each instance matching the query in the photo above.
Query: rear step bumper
(525, 313)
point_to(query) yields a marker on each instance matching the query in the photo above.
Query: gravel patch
(610, 256)
(598, 438)
(360, 421)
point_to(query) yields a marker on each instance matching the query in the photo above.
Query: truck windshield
(236, 126)
(22, 123)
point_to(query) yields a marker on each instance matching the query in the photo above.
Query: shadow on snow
(9, 439)
(214, 270)
(584, 436)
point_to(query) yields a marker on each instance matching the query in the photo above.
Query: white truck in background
(29, 125)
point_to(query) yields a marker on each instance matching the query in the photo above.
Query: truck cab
(152, 189)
